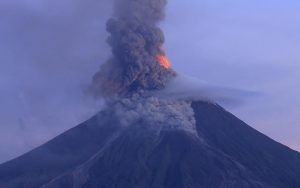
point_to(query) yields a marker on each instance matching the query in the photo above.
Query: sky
(49, 50)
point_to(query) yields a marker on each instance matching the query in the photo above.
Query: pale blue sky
(245, 44)
(49, 50)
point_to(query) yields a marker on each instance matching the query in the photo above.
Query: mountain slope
(58, 155)
(272, 162)
(226, 153)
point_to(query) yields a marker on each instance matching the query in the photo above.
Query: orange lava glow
(163, 61)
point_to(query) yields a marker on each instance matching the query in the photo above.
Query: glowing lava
(163, 61)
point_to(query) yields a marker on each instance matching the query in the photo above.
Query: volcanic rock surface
(223, 152)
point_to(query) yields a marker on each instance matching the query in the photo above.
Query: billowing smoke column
(138, 67)
(138, 61)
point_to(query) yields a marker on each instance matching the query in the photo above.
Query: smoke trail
(136, 40)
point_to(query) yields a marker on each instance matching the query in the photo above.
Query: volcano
(143, 140)
(223, 152)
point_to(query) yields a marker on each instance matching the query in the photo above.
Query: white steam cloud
(191, 88)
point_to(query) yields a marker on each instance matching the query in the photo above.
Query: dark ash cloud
(136, 40)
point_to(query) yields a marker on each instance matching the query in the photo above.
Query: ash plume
(139, 66)
(136, 40)
(159, 113)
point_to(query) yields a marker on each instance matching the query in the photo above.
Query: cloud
(192, 88)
